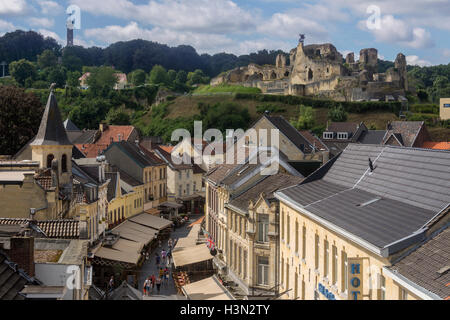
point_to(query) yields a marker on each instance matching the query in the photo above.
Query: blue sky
(418, 28)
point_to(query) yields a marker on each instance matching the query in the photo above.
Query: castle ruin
(320, 70)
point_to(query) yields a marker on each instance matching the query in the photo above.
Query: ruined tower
(368, 60)
(280, 61)
(350, 58)
(70, 28)
(400, 66)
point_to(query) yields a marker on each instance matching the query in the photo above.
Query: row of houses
(370, 224)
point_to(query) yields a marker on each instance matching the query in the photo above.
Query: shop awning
(136, 232)
(191, 255)
(207, 289)
(127, 245)
(190, 240)
(117, 255)
(151, 221)
(199, 221)
(153, 211)
(172, 205)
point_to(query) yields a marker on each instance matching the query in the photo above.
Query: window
(304, 243)
(160, 190)
(282, 224)
(328, 135)
(50, 158)
(296, 286)
(64, 163)
(245, 264)
(263, 271)
(316, 251)
(344, 277)
(231, 252)
(342, 135)
(179, 190)
(326, 257)
(160, 174)
(334, 265)
(235, 257)
(296, 236)
(187, 174)
(282, 272)
(240, 260)
(195, 186)
(180, 175)
(188, 189)
(263, 227)
(382, 287)
(403, 294)
(240, 226)
(288, 231)
(287, 274)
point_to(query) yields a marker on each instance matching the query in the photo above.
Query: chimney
(103, 127)
(22, 253)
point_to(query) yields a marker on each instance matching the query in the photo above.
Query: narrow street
(149, 268)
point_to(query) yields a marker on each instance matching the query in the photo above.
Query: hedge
(351, 107)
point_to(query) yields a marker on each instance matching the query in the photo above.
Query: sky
(420, 29)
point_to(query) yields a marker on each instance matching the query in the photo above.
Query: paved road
(168, 291)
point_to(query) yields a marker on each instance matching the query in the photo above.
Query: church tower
(51, 143)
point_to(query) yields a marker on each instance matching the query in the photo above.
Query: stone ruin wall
(320, 70)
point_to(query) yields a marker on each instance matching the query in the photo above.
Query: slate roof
(125, 292)
(142, 157)
(269, 185)
(313, 140)
(429, 265)
(56, 229)
(372, 137)
(126, 177)
(290, 132)
(407, 188)
(12, 279)
(219, 172)
(51, 130)
(86, 137)
(408, 130)
(70, 126)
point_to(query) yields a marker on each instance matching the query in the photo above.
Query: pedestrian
(161, 272)
(147, 286)
(111, 283)
(170, 244)
(147, 256)
(163, 255)
(158, 284)
(152, 281)
(166, 276)
(160, 244)
(158, 259)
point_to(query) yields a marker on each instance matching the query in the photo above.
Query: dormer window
(328, 135)
(342, 135)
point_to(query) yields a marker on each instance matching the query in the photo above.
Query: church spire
(51, 131)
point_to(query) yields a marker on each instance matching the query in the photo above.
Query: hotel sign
(355, 278)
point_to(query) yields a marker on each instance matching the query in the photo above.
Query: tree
(305, 119)
(137, 77)
(158, 75)
(171, 76)
(22, 70)
(57, 75)
(181, 77)
(72, 78)
(100, 78)
(47, 59)
(71, 62)
(21, 115)
(118, 117)
(338, 114)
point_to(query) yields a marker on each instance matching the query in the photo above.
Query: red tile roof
(436, 145)
(113, 132)
(91, 150)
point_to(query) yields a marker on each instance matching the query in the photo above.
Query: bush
(338, 114)
(425, 108)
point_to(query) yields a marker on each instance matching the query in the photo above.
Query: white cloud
(396, 31)
(50, 7)
(416, 61)
(285, 25)
(41, 22)
(51, 34)
(12, 7)
(446, 53)
(202, 16)
(6, 26)
(202, 42)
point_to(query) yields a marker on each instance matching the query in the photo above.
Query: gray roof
(269, 185)
(428, 265)
(51, 131)
(70, 126)
(410, 187)
(372, 137)
(408, 130)
(125, 292)
(83, 137)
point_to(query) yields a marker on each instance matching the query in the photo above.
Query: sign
(329, 295)
(355, 279)
(446, 105)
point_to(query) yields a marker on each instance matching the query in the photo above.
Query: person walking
(166, 277)
(170, 242)
(158, 284)
(152, 281)
(147, 286)
(158, 259)
(163, 255)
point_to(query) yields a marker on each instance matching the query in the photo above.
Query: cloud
(50, 7)
(12, 7)
(446, 53)
(416, 61)
(51, 34)
(41, 22)
(396, 31)
(6, 26)
(202, 16)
